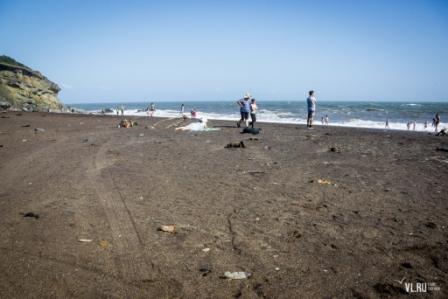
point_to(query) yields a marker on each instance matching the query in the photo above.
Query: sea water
(347, 114)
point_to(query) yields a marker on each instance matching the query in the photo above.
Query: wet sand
(328, 212)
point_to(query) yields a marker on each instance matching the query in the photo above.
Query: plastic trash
(168, 228)
(324, 182)
(236, 275)
(85, 240)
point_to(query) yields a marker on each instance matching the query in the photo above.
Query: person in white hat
(244, 104)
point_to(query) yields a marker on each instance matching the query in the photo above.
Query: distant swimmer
(387, 123)
(436, 121)
(311, 103)
(244, 105)
(253, 112)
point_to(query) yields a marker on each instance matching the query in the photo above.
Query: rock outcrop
(26, 89)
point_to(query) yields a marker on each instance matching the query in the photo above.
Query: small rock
(141, 134)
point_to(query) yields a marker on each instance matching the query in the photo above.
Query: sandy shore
(265, 209)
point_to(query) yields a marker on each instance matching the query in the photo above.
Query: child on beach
(253, 111)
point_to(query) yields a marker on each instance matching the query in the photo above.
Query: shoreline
(385, 130)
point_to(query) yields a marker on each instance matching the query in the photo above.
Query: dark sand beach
(323, 213)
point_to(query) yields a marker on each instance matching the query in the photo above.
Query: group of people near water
(248, 107)
(435, 123)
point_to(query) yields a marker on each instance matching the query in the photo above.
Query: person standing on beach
(182, 109)
(152, 109)
(326, 119)
(253, 111)
(122, 110)
(436, 121)
(387, 123)
(311, 102)
(244, 104)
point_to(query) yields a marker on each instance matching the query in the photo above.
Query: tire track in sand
(128, 247)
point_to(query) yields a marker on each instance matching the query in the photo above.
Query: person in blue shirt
(244, 104)
(311, 103)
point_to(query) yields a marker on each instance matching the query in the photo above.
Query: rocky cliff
(24, 88)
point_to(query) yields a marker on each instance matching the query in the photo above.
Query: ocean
(347, 114)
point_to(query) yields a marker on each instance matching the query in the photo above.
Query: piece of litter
(257, 219)
(236, 275)
(277, 269)
(24, 140)
(275, 255)
(30, 214)
(206, 249)
(104, 244)
(324, 182)
(168, 228)
(141, 134)
(85, 240)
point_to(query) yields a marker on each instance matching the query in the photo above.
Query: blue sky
(103, 51)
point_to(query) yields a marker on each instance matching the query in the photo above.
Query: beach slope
(328, 212)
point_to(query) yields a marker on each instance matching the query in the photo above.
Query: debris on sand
(206, 249)
(334, 149)
(124, 123)
(443, 148)
(104, 244)
(324, 182)
(236, 275)
(253, 131)
(443, 132)
(24, 140)
(31, 215)
(168, 228)
(38, 130)
(205, 269)
(236, 145)
(85, 240)
(26, 126)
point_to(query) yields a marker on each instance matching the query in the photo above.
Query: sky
(108, 51)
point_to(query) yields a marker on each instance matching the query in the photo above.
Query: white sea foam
(268, 116)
